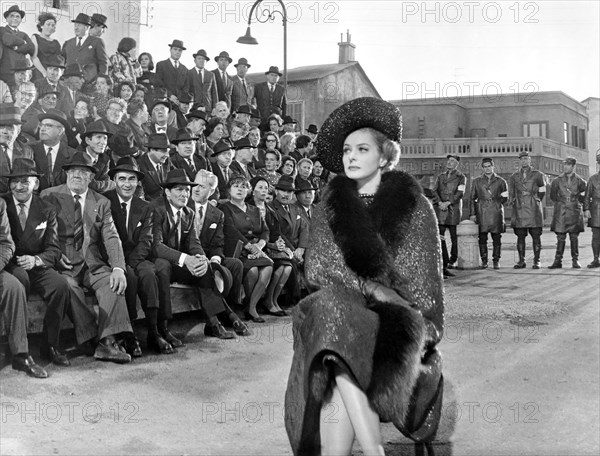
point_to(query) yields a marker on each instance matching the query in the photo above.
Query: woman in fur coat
(365, 339)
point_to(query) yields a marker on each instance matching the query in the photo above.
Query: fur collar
(369, 236)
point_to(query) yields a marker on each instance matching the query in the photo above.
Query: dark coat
(58, 175)
(151, 182)
(487, 199)
(294, 229)
(385, 346)
(199, 163)
(7, 245)
(20, 150)
(242, 226)
(174, 80)
(591, 201)
(450, 187)
(15, 44)
(205, 93)
(223, 90)
(92, 52)
(269, 103)
(525, 194)
(212, 235)
(568, 208)
(241, 96)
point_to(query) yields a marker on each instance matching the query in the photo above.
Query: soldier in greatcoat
(488, 194)
(567, 192)
(526, 189)
(591, 206)
(450, 188)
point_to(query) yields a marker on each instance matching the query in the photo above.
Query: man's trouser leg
(561, 239)
(574, 241)
(483, 249)
(536, 235)
(83, 316)
(13, 310)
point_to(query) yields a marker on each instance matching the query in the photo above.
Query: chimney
(346, 49)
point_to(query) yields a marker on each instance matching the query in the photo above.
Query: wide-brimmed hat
(83, 18)
(242, 61)
(255, 113)
(196, 114)
(223, 145)
(10, 114)
(22, 64)
(304, 185)
(223, 54)
(226, 274)
(273, 69)
(286, 183)
(99, 19)
(177, 43)
(128, 165)
(454, 156)
(23, 167)
(201, 52)
(57, 61)
(96, 127)
(177, 177)
(55, 114)
(244, 109)
(81, 160)
(73, 70)
(365, 112)
(243, 143)
(14, 9)
(312, 128)
(158, 141)
(183, 135)
(289, 120)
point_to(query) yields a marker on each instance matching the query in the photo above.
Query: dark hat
(289, 120)
(244, 109)
(57, 61)
(570, 161)
(312, 128)
(160, 101)
(351, 116)
(10, 114)
(486, 160)
(273, 69)
(80, 159)
(183, 135)
(186, 97)
(243, 143)
(127, 164)
(255, 113)
(201, 52)
(22, 64)
(523, 153)
(99, 19)
(177, 43)
(177, 177)
(256, 179)
(223, 145)
(14, 9)
(286, 183)
(454, 156)
(223, 54)
(227, 277)
(242, 61)
(23, 167)
(73, 70)
(48, 91)
(96, 127)
(304, 185)
(196, 114)
(57, 115)
(158, 141)
(83, 19)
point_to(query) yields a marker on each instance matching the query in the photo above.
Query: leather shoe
(254, 319)
(131, 344)
(53, 354)
(241, 329)
(277, 313)
(160, 345)
(448, 273)
(576, 264)
(520, 265)
(496, 265)
(594, 264)
(109, 350)
(28, 366)
(170, 338)
(217, 331)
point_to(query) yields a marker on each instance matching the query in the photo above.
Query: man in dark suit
(93, 258)
(224, 83)
(95, 144)
(34, 230)
(15, 44)
(223, 150)
(155, 164)
(305, 196)
(196, 123)
(51, 83)
(184, 156)
(31, 124)
(72, 81)
(172, 74)
(243, 159)
(10, 146)
(270, 97)
(179, 256)
(138, 116)
(202, 83)
(160, 118)
(50, 153)
(242, 92)
(87, 51)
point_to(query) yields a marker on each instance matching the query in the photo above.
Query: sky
(407, 49)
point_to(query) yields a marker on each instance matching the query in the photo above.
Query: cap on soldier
(570, 161)
(486, 160)
(523, 154)
(455, 157)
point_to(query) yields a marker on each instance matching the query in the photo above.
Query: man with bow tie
(15, 44)
(160, 118)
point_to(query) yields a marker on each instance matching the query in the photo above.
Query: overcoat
(526, 188)
(567, 195)
(591, 202)
(389, 349)
(487, 199)
(450, 187)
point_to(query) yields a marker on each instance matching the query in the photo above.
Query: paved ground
(521, 356)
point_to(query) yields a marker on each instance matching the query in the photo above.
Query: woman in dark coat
(365, 339)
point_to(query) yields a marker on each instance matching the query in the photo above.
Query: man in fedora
(185, 156)
(312, 131)
(526, 190)
(243, 114)
(171, 73)
(133, 220)
(34, 230)
(15, 43)
(591, 207)
(159, 114)
(223, 151)
(93, 258)
(11, 147)
(95, 144)
(22, 72)
(98, 26)
(242, 92)
(243, 158)
(196, 124)
(181, 109)
(72, 80)
(86, 50)
(567, 192)
(224, 83)
(179, 256)
(155, 164)
(51, 83)
(450, 188)
(289, 125)
(24, 95)
(46, 100)
(305, 197)
(138, 114)
(13, 305)
(50, 152)
(202, 82)
(269, 96)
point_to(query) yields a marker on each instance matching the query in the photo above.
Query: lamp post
(270, 16)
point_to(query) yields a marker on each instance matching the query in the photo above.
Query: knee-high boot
(521, 251)
(575, 251)
(537, 250)
(483, 252)
(560, 249)
(496, 255)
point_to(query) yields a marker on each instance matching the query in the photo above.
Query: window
(478, 133)
(574, 136)
(582, 141)
(535, 129)
(295, 109)
(565, 132)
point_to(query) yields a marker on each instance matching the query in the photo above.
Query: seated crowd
(119, 181)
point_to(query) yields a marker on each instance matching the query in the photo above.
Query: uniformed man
(567, 192)
(450, 188)
(488, 194)
(526, 189)
(591, 206)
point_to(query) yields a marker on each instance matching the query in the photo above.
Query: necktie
(178, 226)
(224, 79)
(78, 225)
(308, 213)
(226, 174)
(272, 88)
(159, 173)
(176, 64)
(245, 88)
(199, 221)
(22, 215)
(191, 163)
(124, 206)
(79, 42)
(49, 158)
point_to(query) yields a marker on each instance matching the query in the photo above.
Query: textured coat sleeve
(7, 246)
(51, 253)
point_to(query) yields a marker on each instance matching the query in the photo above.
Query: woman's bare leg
(269, 302)
(264, 275)
(337, 433)
(250, 280)
(287, 270)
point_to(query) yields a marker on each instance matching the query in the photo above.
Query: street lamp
(270, 16)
